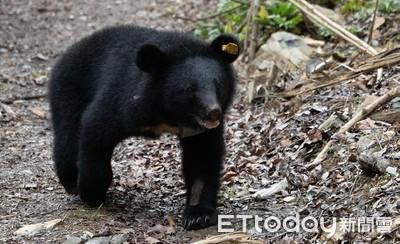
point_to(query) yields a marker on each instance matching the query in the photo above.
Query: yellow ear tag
(230, 48)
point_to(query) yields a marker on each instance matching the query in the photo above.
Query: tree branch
(313, 13)
(29, 97)
(363, 113)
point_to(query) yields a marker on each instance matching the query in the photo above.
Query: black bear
(133, 81)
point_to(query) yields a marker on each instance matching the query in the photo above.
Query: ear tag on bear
(230, 48)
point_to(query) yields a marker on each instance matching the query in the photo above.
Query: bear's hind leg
(96, 147)
(65, 156)
(95, 173)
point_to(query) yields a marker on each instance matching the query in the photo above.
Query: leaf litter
(268, 144)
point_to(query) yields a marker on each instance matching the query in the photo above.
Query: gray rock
(100, 240)
(120, 238)
(72, 240)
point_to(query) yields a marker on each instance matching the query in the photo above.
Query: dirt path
(32, 36)
(265, 145)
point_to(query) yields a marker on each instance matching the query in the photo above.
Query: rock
(115, 239)
(392, 170)
(120, 238)
(389, 116)
(72, 240)
(288, 51)
(100, 240)
(374, 164)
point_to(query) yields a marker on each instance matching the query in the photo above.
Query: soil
(146, 199)
(33, 35)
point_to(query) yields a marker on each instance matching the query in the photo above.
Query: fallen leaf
(264, 193)
(40, 57)
(32, 228)
(162, 229)
(228, 175)
(152, 240)
(396, 223)
(286, 143)
(337, 178)
(337, 235)
(171, 221)
(39, 112)
(366, 124)
(378, 22)
(314, 135)
(289, 199)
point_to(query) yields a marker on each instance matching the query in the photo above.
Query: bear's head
(193, 81)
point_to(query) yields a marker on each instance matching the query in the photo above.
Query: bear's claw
(199, 217)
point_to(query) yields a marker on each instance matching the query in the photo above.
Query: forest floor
(265, 146)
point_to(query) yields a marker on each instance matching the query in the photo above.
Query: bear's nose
(214, 114)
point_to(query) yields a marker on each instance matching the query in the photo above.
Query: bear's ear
(149, 58)
(227, 46)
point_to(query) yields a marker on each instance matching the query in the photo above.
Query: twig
(207, 17)
(29, 97)
(371, 30)
(254, 30)
(363, 113)
(395, 92)
(235, 237)
(320, 157)
(383, 60)
(310, 11)
(354, 58)
(247, 22)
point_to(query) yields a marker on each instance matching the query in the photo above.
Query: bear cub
(133, 81)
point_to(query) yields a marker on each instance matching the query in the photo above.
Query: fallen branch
(363, 113)
(310, 11)
(383, 60)
(317, 16)
(230, 238)
(395, 92)
(371, 30)
(29, 97)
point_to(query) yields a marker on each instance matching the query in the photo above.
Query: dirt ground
(32, 35)
(147, 197)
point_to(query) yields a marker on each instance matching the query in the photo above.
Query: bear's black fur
(132, 81)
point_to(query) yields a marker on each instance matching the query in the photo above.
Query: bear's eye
(190, 89)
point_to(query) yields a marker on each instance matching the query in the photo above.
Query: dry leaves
(33, 228)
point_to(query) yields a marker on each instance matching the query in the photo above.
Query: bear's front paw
(94, 199)
(199, 217)
(71, 189)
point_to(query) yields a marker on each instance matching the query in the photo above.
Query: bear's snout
(212, 118)
(214, 114)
